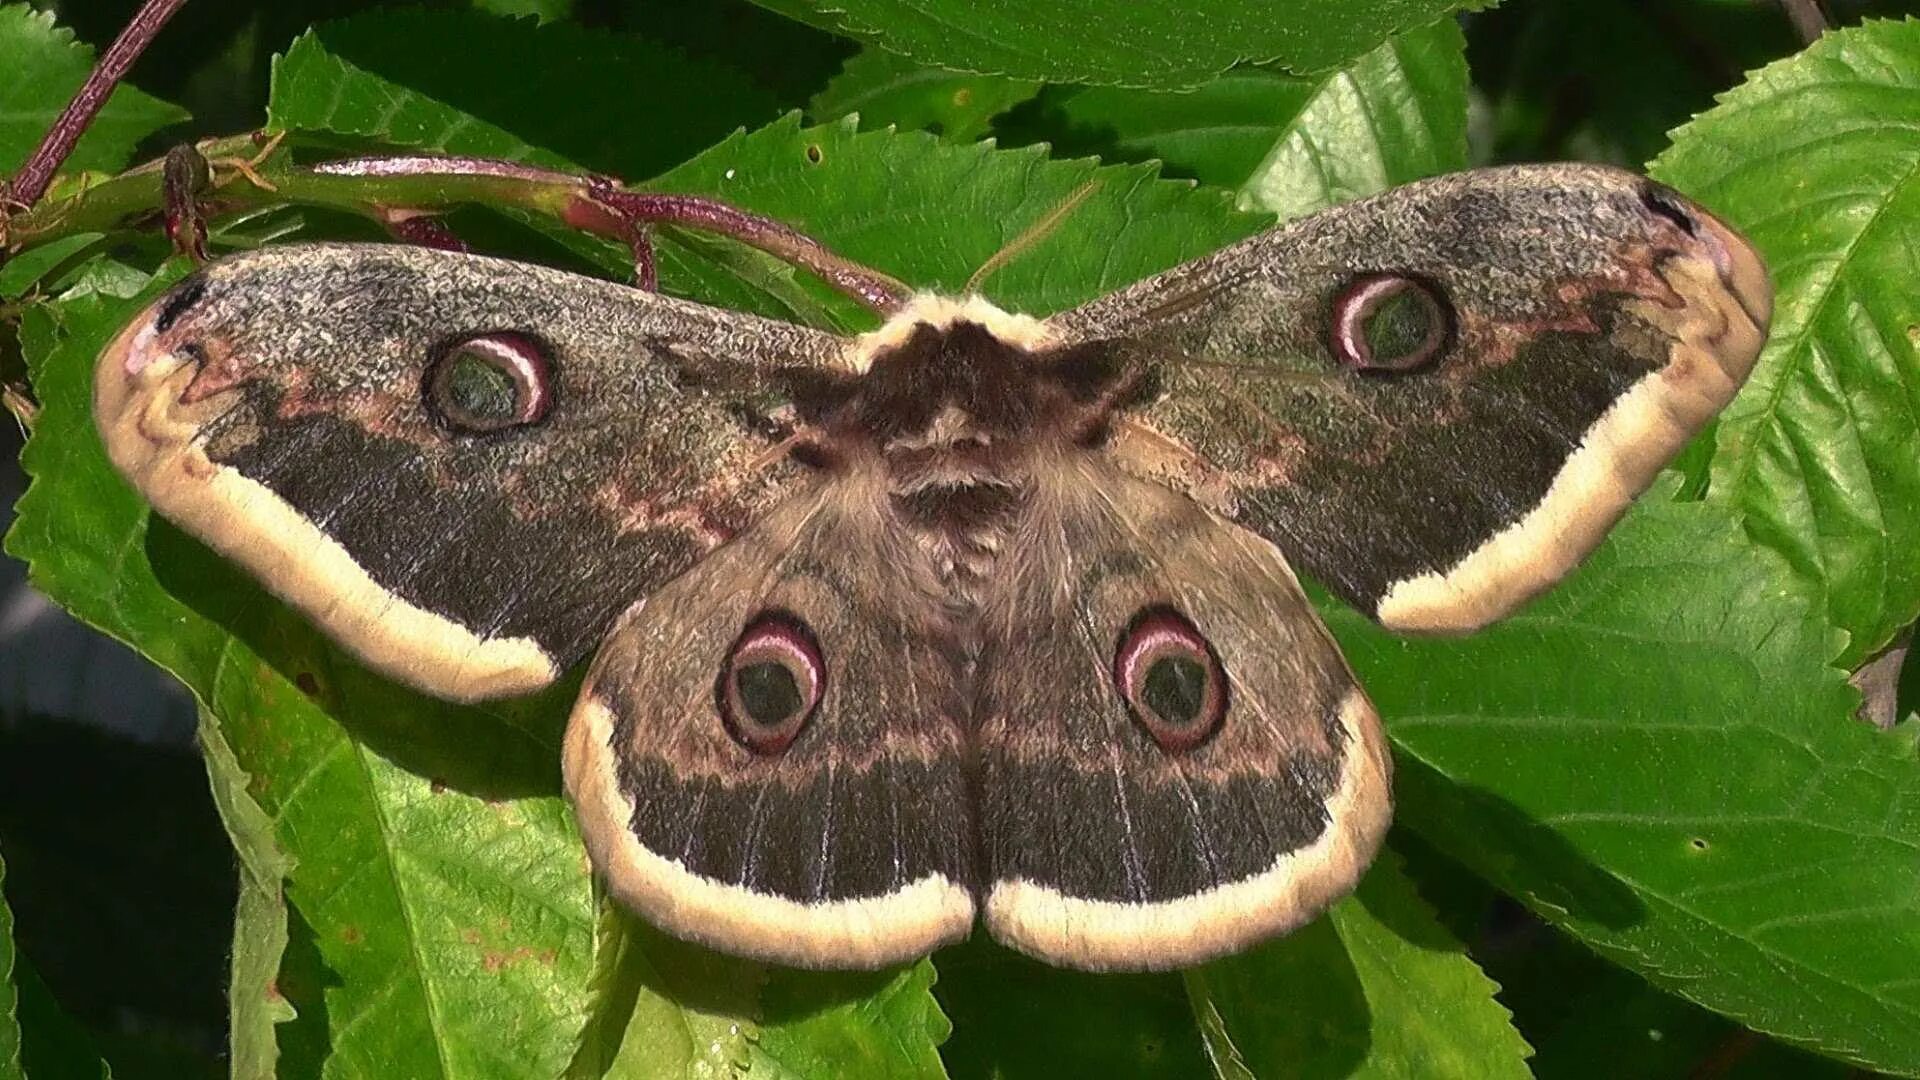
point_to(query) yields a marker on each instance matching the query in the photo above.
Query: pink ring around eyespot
(522, 360)
(1358, 302)
(1154, 633)
(780, 638)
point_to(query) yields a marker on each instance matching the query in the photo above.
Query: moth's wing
(1114, 837)
(300, 409)
(840, 841)
(1588, 323)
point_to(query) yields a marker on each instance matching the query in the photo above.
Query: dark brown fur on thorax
(956, 419)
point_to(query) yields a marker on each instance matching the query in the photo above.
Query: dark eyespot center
(770, 682)
(1170, 678)
(480, 388)
(1389, 322)
(768, 691)
(491, 382)
(1175, 688)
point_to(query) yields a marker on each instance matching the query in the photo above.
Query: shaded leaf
(1015, 1018)
(260, 917)
(53, 1045)
(25, 270)
(614, 103)
(1152, 44)
(1674, 776)
(664, 1008)
(44, 66)
(1375, 988)
(792, 59)
(1613, 1024)
(457, 920)
(885, 88)
(544, 10)
(1292, 144)
(1817, 159)
(1606, 80)
(9, 997)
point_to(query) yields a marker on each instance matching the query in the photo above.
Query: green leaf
(1159, 44)
(436, 862)
(260, 919)
(932, 214)
(885, 88)
(1817, 160)
(664, 1008)
(613, 103)
(9, 997)
(44, 66)
(1657, 757)
(1377, 988)
(25, 270)
(1293, 144)
(1018, 1019)
(1397, 114)
(52, 1043)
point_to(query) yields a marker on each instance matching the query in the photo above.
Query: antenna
(1034, 233)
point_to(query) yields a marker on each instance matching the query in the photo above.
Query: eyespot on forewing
(490, 382)
(1389, 323)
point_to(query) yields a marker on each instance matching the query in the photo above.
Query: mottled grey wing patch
(462, 467)
(1584, 323)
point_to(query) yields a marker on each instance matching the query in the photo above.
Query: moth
(979, 614)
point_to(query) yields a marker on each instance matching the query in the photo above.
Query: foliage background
(1641, 831)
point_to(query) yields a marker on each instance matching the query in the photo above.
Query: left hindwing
(1174, 760)
(767, 755)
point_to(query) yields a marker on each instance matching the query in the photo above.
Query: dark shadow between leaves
(1502, 842)
(1015, 1018)
(503, 750)
(1295, 1003)
(305, 1041)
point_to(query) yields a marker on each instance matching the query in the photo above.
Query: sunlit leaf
(1817, 160)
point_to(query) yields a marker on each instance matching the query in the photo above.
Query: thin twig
(31, 181)
(400, 187)
(1808, 17)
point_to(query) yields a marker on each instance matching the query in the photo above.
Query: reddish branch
(31, 181)
(402, 192)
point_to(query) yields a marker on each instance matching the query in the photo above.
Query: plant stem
(402, 188)
(27, 185)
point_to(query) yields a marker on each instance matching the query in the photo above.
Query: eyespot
(490, 382)
(1171, 679)
(771, 682)
(1389, 322)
